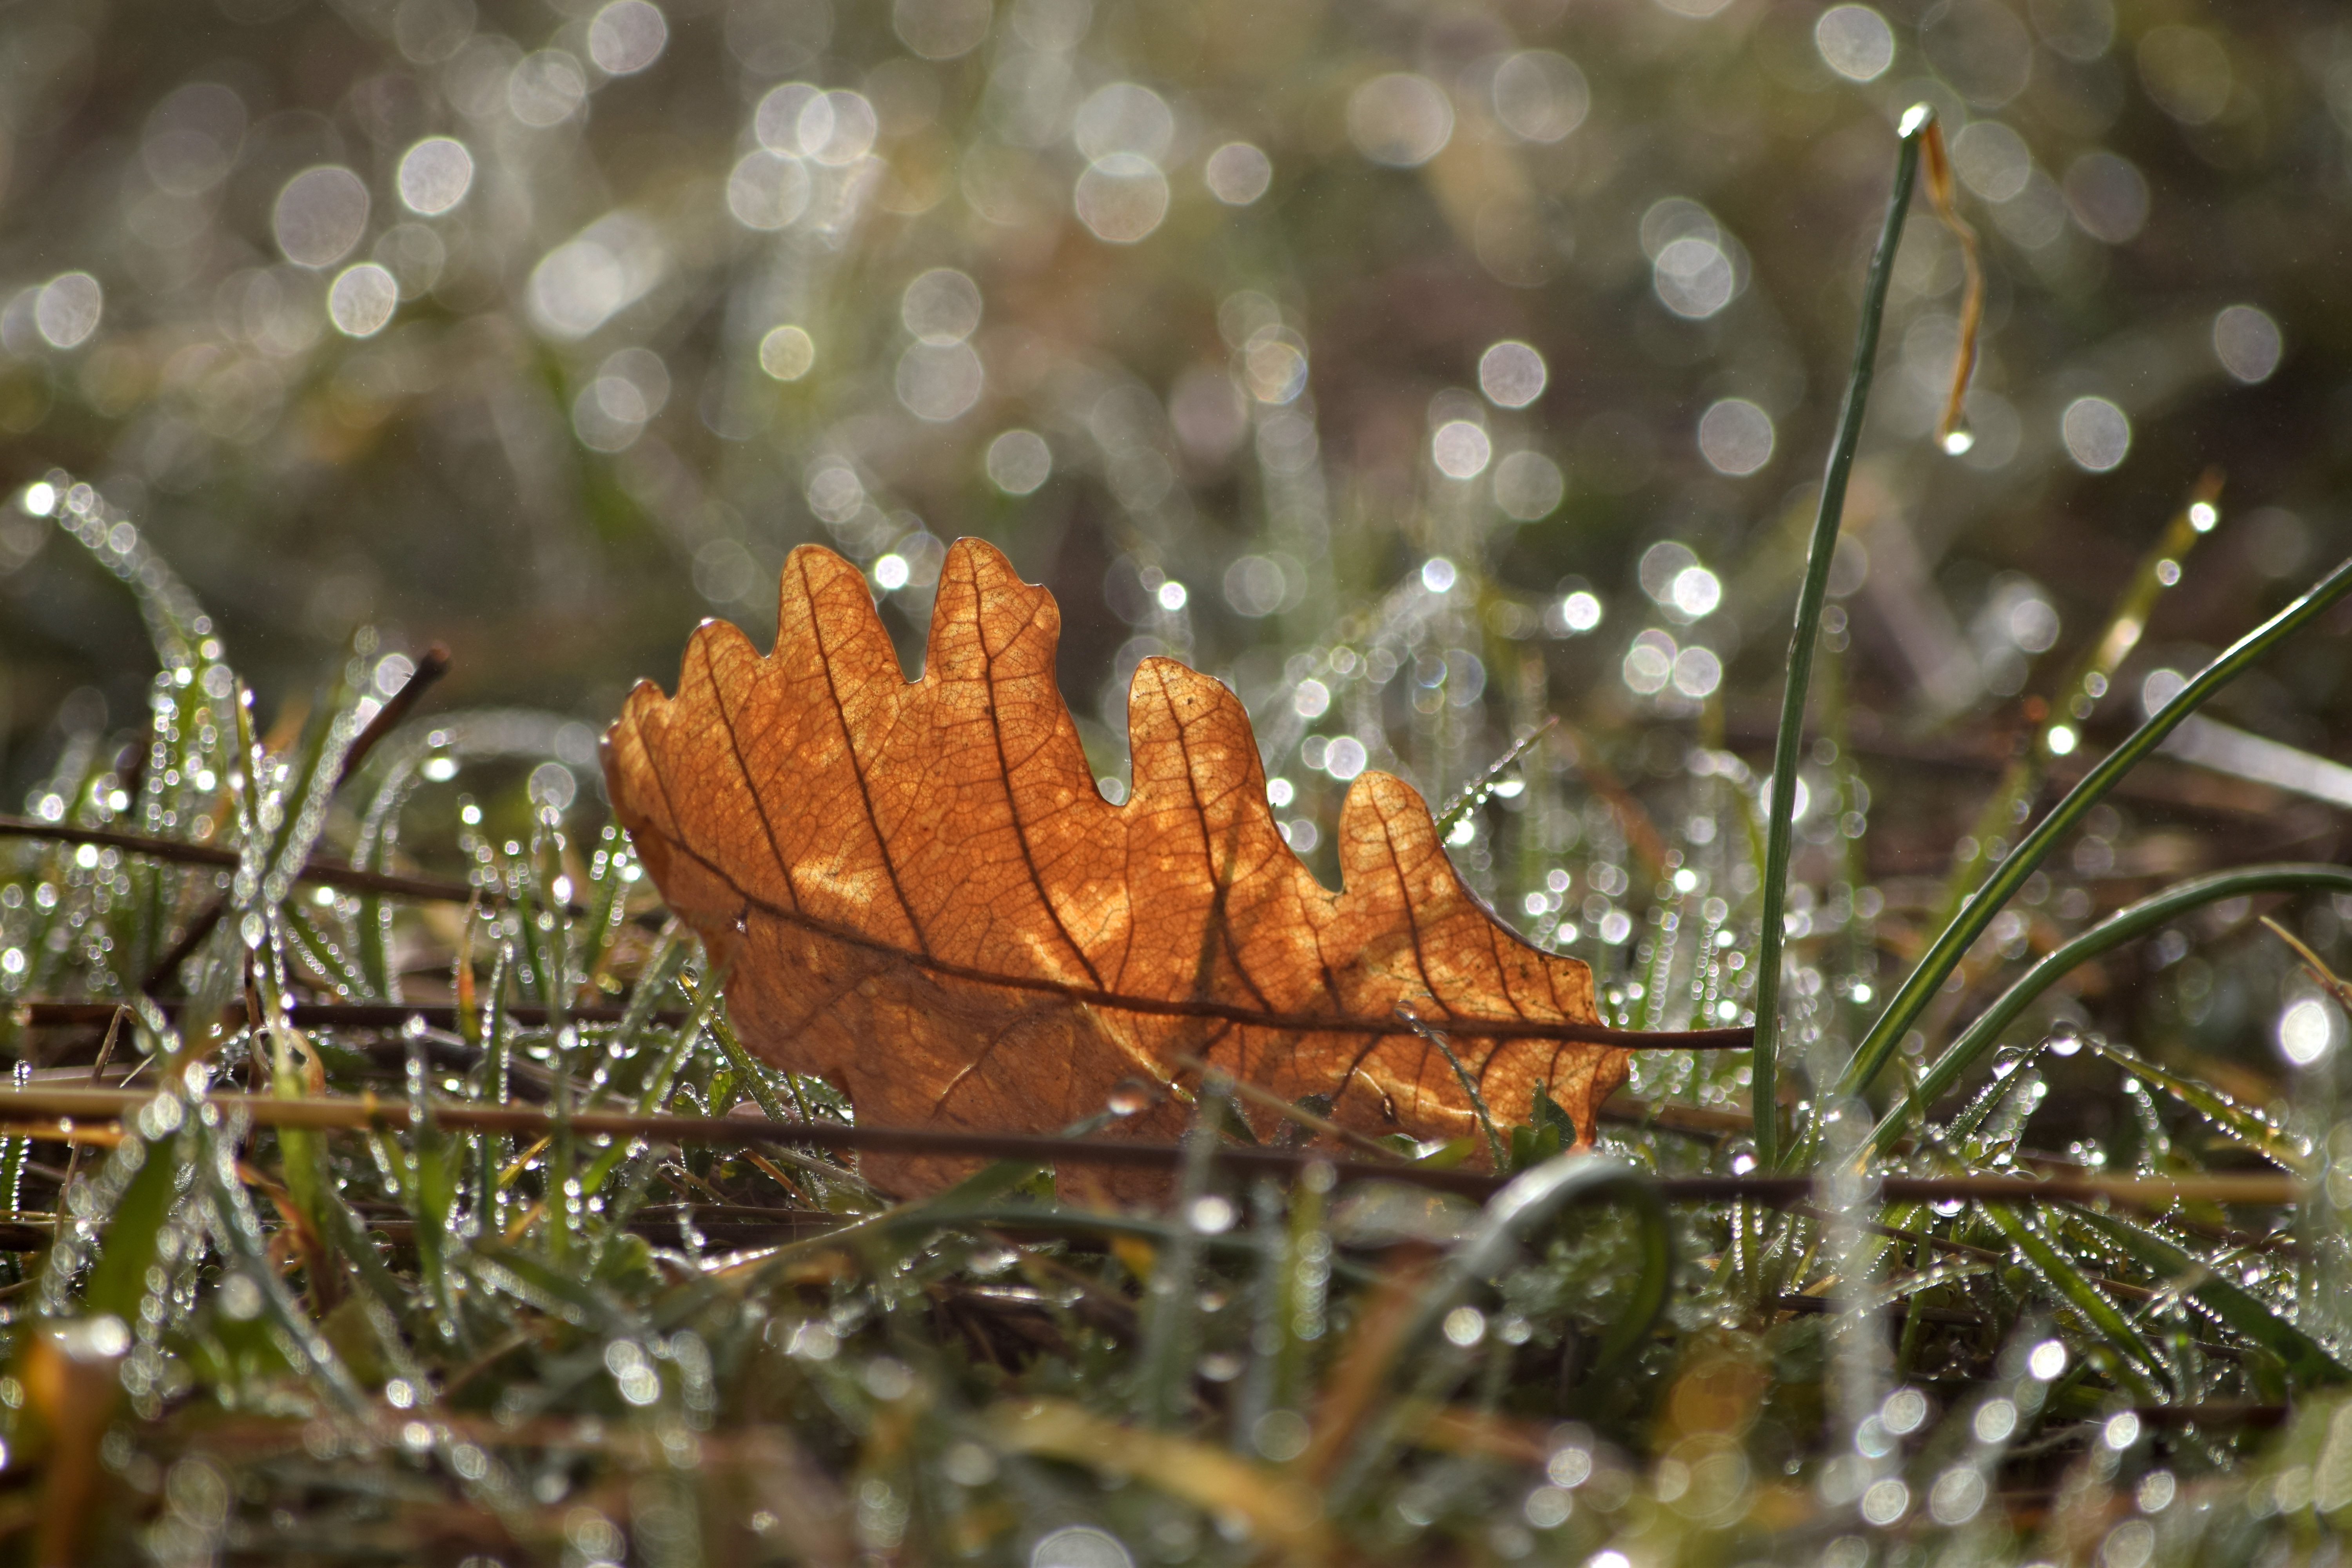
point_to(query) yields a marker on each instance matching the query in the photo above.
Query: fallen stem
(53, 1113)
(331, 873)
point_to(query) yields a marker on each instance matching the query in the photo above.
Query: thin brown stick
(332, 873)
(1289, 1113)
(168, 966)
(337, 1014)
(33, 1107)
(73, 1159)
(2313, 964)
(431, 666)
(1952, 427)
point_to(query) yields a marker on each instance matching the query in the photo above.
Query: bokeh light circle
(1734, 437)
(319, 216)
(363, 299)
(434, 176)
(1512, 373)
(1402, 120)
(1121, 198)
(2097, 434)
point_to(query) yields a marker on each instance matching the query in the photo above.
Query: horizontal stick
(33, 1105)
(333, 873)
(442, 1016)
(337, 1015)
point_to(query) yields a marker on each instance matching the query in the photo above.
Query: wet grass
(240, 1331)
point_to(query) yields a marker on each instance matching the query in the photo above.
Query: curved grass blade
(2233, 1119)
(2138, 1365)
(2307, 1360)
(1478, 791)
(1780, 826)
(2092, 676)
(2127, 924)
(1512, 1217)
(1954, 941)
(1522, 1207)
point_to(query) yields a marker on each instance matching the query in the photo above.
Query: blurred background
(1421, 370)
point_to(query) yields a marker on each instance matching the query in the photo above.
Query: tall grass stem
(1780, 818)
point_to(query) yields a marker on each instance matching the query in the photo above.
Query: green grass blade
(1781, 826)
(1515, 1217)
(1953, 941)
(2092, 676)
(2306, 1361)
(1478, 791)
(2233, 1119)
(150, 1188)
(2137, 1362)
(1171, 1296)
(237, 1231)
(2127, 924)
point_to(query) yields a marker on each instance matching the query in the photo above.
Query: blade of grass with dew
(144, 1173)
(2061, 730)
(430, 1195)
(2126, 925)
(302, 1164)
(1972, 1117)
(621, 1062)
(493, 1150)
(238, 1230)
(2307, 1360)
(1309, 1262)
(2138, 1364)
(1780, 830)
(1951, 943)
(325, 955)
(548, 1285)
(1513, 1217)
(1478, 791)
(612, 872)
(1657, 993)
(1260, 1389)
(1165, 1359)
(2232, 1119)
(689, 1036)
(1906, 1289)
(310, 786)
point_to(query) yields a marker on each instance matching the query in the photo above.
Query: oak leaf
(918, 892)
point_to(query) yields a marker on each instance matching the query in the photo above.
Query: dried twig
(37, 1109)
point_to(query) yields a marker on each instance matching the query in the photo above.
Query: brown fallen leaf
(919, 894)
